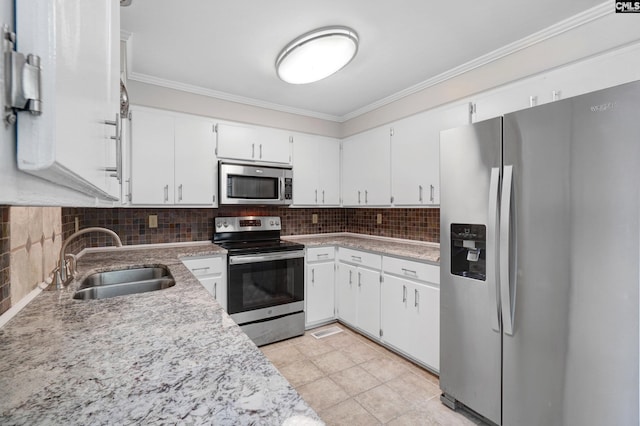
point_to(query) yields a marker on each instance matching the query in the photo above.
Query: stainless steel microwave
(255, 184)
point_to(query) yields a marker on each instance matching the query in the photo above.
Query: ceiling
(227, 49)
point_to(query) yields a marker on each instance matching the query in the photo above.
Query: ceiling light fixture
(317, 55)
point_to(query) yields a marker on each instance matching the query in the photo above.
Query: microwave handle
(281, 188)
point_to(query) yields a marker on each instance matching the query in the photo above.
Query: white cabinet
(410, 309)
(358, 289)
(172, 159)
(415, 154)
(316, 171)
(253, 143)
(319, 288)
(211, 271)
(366, 169)
(78, 44)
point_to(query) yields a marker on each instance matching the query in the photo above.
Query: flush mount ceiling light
(317, 55)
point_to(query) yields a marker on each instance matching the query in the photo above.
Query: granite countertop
(169, 356)
(414, 250)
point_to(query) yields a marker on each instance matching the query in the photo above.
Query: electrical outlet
(77, 224)
(153, 221)
(314, 218)
(379, 219)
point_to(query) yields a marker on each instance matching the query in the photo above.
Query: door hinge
(381, 279)
(214, 128)
(214, 198)
(381, 334)
(392, 199)
(391, 131)
(23, 79)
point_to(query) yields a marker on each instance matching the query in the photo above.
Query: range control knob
(271, 223)
(219, 225)
(225, 224)
(277, 223)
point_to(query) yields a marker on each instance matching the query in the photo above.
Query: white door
(424, 320)
(78, 44)
(368, 314)
(394, 315)
(316, 170)
(347, 287)
(152, 162)
(273, 145)
(320, 292)
(216, 285)
(195, 161)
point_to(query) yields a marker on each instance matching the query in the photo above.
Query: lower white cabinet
(410, 309)
(211, 271)
(358, 289)
(319, 286)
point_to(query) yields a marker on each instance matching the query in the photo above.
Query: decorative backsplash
(181, 225)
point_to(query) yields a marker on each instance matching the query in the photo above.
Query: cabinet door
(152, 173)
(320, 292)
(394, 314)
(316, 170)
(347, 287)
(195, 161)
(78, 44)
(368, 310)
(217, 286)
(424, 320)
(415, 154)
(253, 143)
(366, 169)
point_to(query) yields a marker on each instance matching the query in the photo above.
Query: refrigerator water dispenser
(468, 250)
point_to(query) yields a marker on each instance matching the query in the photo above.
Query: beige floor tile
(341, 340)
(414, 389)
(414, 418)
(384, 369)
(332, 362)
(322, 393)
(301, 372)
(359, 352)
(355, 380)
(282, 355)
(383, 403)
(313, 347)
(348, 413)
(436, 412)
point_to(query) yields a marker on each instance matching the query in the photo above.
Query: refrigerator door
(470, 351)
(572, 354)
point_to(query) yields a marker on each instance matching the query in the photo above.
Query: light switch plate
(314, 218)
(153, 221)
(379, 219)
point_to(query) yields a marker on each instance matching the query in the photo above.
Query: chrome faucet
(66, 269)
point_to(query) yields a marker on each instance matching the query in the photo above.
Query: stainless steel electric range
(265, 290)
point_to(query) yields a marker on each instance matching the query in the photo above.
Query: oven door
(265, 285)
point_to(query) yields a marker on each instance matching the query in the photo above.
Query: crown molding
(561, 27)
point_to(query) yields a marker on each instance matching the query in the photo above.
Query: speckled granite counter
(415, 250)
(169, 356)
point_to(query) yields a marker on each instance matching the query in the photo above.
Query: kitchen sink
(102, 285)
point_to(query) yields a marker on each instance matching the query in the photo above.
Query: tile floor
(350, 380)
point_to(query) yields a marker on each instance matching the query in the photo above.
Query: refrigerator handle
(507, 271)
(492, 246)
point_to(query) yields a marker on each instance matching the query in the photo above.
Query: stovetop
(263, 246)
(251, 234)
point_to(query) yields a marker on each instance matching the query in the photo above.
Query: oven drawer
(320, 254)
(204, 266)
(362, 258)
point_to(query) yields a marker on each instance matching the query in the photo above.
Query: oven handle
(255, 258)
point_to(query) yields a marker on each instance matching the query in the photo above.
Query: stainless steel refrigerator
(540, 266)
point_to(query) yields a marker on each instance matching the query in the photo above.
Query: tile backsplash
(196, 224)
(5, 256)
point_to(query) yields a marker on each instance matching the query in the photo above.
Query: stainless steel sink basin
(126, 281)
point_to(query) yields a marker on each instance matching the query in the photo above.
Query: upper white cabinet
(172, 159)
(316, 171)
(253, 143)
(366, 169)
(78, 44)
(415, 155)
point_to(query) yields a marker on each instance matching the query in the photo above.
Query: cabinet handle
(409, 272)
(253, 150)
(416, 296)
(128, 190)
(350, 277)
(420, 193)
(204, 268)
(404, 293)
(261, 151)
(323, 255)
(166, 193)
(323, 196)
(215, 290)
(366, 196)
(359, 279)
(316, 196)
(432, 197)
(118, 138)
(356, 258)
(180, 192)
(313, 276)
(358, 197)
